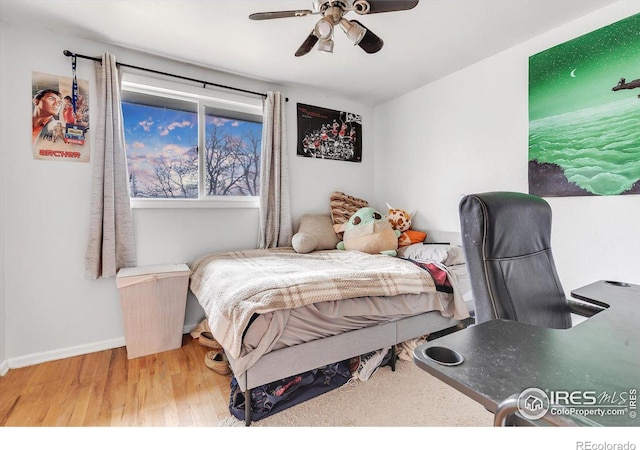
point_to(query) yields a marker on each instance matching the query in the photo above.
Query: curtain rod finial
(67, 53)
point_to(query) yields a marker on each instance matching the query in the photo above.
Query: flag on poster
(60, 122)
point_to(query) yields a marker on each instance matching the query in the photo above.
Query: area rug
(408, 397)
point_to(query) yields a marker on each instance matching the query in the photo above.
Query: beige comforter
(233, 286)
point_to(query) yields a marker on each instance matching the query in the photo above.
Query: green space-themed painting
(584, 114)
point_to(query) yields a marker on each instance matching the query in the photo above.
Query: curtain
(111, 242)
(275, 211)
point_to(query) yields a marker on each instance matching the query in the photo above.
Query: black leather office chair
(507, 243)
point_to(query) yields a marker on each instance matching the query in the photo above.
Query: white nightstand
(153, 300)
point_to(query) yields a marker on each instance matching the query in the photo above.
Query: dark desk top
(601, 355)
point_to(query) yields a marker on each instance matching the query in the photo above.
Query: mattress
(276, 330)
(285, 328)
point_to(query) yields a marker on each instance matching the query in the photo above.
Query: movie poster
(328, 134)
(60, 122)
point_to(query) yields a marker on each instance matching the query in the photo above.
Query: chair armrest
(584, 308)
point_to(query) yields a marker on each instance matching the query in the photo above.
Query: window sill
(222, 203)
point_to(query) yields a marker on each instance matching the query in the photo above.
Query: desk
(601, 354)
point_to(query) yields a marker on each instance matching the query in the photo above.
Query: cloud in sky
(146, 124)
(222, 121)
(172, 126)
(173, 151)
(142, 164)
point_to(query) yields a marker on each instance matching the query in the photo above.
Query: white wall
(468, 133)
(3, 318)
(51, 310)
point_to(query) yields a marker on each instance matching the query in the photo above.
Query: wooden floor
(167, 389)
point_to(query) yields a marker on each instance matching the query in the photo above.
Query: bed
(278, 313)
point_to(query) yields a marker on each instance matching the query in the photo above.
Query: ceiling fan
(333, 12)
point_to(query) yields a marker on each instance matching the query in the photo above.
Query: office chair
(506, 239)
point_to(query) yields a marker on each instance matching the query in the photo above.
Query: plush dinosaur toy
(369, 231)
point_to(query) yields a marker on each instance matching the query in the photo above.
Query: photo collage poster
(328, 134)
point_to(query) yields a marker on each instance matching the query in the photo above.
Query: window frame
(204, 98)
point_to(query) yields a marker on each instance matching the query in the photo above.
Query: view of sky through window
(163, 160)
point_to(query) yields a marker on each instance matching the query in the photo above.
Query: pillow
(411, 237)
(342, 208)
(447, 254)
(319, 227)
(304, 242)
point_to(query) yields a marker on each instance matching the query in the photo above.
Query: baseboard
(4, 368)
(53, 355)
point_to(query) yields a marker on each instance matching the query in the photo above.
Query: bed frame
(320, 352)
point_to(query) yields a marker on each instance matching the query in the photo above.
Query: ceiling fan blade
(381, 6)
(280, 14)
(307, 45)
(370, 43)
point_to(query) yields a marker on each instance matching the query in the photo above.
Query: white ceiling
(434, 39)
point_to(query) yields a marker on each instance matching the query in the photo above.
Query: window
(164, 129)
(232, 154)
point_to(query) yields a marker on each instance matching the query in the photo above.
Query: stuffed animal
(400, 220)
(369, 231)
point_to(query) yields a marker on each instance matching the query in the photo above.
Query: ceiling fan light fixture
(354, 31)
(324, 29)
(325, 45)
(333, 12)
(370, 43)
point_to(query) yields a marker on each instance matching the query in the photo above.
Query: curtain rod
(205, 83)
